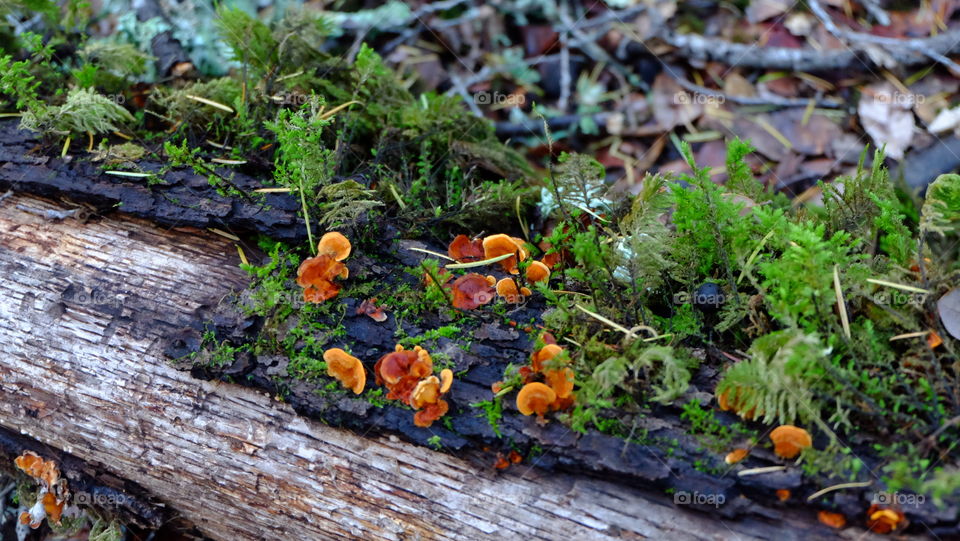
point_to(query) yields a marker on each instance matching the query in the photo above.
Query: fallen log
(84, 310)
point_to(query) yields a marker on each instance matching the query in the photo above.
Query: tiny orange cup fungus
(543, 355)
(426, 392)
(560, 380)
(44, 471)
(789, 440)
(507, 288)
(497, 245)
(335, 245)
(471, 291)
(446, 380)
(884, 519)
(426, 399)
(736, 455)
(370, 308)
(552, 259)
(463, 249)
(829, 518)
(346, 368)
(48, 504)
(734, 404)
(400, 371)
(315, 275)
(538, 272)
(535, 398)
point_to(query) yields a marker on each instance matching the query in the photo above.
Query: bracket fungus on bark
(789, 440)
(408, 375)
(53, 492)
(463, 249)
(501, 244)
(471, 291)
(346, 368)
(535, 397)
(335, 245)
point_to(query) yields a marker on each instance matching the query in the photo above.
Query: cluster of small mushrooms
(407, 375)
(473, 290)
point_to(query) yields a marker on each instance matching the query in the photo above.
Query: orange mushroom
(335, 245)
(560, 380)
(734, 404)
(45, 472)
(544, 354)
(370, 308)
(316, 276)
(497, 245)
(426, 392)
(507, 288)
(53, 508)
(48, 504)
(783, 494)
(736, 455)
(446, 380)
(465, 250)
(789, 440)
(346, 368)
(535, 398)
(538, 272)
(551, 259)
(884, 519)
(401, 370)
(426, 399)
(834, 520)
(471, 291)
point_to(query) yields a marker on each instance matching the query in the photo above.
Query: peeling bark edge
(185, 199)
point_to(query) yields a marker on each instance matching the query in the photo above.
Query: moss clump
(740, 270)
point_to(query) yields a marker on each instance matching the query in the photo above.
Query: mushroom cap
(884, 520)
(316, 276)
(543, 355)
(346, 368)
(425, 417)
(560, 380)
(535, 398)
(334, 244)
(426, 392)
(507, 288)
(551, 259)
(471, 291)
(45, 471)
(370, 308)
(393, 366)
(423, 366)
(500, 244)
(464, 249)
(736, 456)
(525, 291)
(538, 272)
(446, 380)
(834, 520)
(52, 507)
(789, 440)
